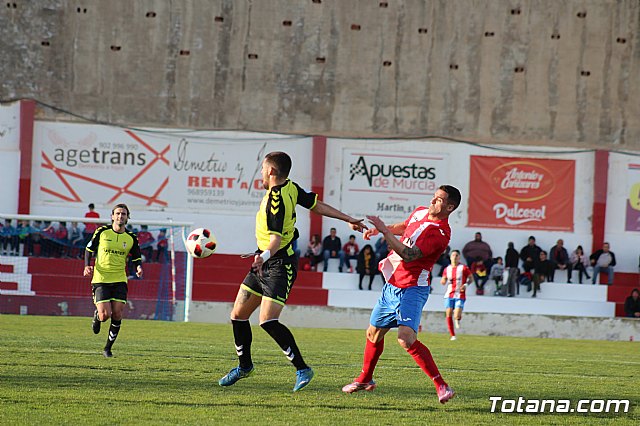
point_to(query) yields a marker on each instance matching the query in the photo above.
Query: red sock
(423, 358)
(452, 332)
(372, 352)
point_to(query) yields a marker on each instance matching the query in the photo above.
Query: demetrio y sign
(523, 193)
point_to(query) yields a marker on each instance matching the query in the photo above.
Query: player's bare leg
(101, 314)
(457, 313)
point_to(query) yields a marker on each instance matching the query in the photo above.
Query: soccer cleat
(234, 375)
(457, 321)
(303, 377)
(357, 386)
(107, 353)
(95, 324)
(453, 338)
(445, 393)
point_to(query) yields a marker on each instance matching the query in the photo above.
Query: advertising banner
(389, 185)
(152, 170)
(522, 193)
(632, 222)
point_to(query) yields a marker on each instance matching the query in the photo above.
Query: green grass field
(52, 372)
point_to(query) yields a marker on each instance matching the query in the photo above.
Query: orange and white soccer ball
(201, 243)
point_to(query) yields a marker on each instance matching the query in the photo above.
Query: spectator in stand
(543, 269)
(296, 250)
(314, 251)
(479, 271)
(632, 304)
(145, 241)
(351, 251)
(497, 269)
(90, 228)
(511, 260)
(579, 262)
(47, 244)
(76, 239)
(332, 249)
(24, 238)
(530, 254)
(477, 248)
(367, 265)
(444, 260)
(9, 238)
(603, 260)
(162, 253)
(36, 238)
(559, 258)
(60, 243)
(382, 249)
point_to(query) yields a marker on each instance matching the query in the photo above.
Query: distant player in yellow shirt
(111, 244)
(274, 269)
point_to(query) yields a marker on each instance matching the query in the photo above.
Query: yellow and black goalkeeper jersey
(277, 214)
(111, 251)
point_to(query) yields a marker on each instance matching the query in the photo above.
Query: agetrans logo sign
(521, 193)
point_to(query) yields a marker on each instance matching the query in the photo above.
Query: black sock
(114, 329)
(283, 337)
(243, 337)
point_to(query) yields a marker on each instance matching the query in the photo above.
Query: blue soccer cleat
(303, 377)
(234, 375)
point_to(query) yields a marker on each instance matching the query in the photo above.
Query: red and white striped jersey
(456, 277)
(431, 237)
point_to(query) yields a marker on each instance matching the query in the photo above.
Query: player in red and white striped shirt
(457, 277)
(407, 273)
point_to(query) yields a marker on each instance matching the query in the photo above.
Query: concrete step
(480, 304)
(549, 291)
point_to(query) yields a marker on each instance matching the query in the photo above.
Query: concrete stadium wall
(483, 324)
(560, 73)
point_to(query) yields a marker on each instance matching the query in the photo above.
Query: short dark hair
(455, 251)
(91, 206)
(281, 162)
(453, 195)
(121, 206)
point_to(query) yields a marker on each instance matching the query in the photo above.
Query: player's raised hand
(357, 225)
(378, 223)
(370, 232)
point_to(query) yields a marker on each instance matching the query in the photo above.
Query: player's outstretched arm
(407, 254)
(325, 209)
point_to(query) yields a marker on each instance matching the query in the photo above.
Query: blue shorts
(453, 303)
(399, 306)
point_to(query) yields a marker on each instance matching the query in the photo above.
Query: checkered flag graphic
(359, 168)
